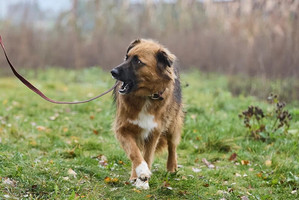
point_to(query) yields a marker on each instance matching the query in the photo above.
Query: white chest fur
(145, 121)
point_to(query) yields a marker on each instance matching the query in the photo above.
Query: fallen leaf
(244, 198)
(121, 162)
(183, 192)
(109, 180)
(9, 181)
(166, 184)
(196, 170)
(206, 185)
(250, 169)
(169, 188)
(268, 163)
(54, 117)
(95, 132)
(208, 164)
(245, 162)
(103, 161)
(40, 128)
(135, 190)
(72, 172)
(233, 157)
(238, 175)
(91, 117)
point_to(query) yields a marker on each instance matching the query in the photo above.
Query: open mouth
(126, 87)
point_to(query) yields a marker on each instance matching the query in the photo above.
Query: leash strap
(37, 91)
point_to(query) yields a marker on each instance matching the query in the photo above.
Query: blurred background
(253, 42)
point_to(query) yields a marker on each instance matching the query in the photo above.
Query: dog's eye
(139, 62)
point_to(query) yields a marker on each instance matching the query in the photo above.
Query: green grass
(40, 142)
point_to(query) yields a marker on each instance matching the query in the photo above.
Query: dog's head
(147, 69)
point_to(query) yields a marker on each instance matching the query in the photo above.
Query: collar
(157, 96)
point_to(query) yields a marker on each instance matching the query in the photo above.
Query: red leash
(37, 91)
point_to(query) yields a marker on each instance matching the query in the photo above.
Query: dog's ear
(133, 44)
(164, 59)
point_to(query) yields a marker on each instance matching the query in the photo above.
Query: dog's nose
(115, 73)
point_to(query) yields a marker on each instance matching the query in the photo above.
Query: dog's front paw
(143, 173)
(141, 184)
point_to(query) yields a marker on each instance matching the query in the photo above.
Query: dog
(149, 111)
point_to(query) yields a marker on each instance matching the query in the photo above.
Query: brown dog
(149, 113)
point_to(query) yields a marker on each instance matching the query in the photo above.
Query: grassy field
(52, 151)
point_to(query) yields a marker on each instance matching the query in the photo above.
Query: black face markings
(133, 44)
(163, 60)
(126, 74)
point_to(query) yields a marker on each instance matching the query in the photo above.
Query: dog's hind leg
(173, 139)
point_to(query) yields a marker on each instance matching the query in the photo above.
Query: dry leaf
(9, 181)
(95, 132)
(268, 163)
(135, 190)
(233, 157)
(103, 161)
(244, 198)
(166, 184)
(196, 170)
(72, 172)
(245, 162)
(109, 180)
(41, 128)
(52, 118)
(208, 164)
(91, 117)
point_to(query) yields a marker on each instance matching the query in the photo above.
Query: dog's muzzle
(127, 84)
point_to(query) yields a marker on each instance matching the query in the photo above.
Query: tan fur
(168, 114)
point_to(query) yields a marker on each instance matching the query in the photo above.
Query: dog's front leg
(140, 169)
(150, 145)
